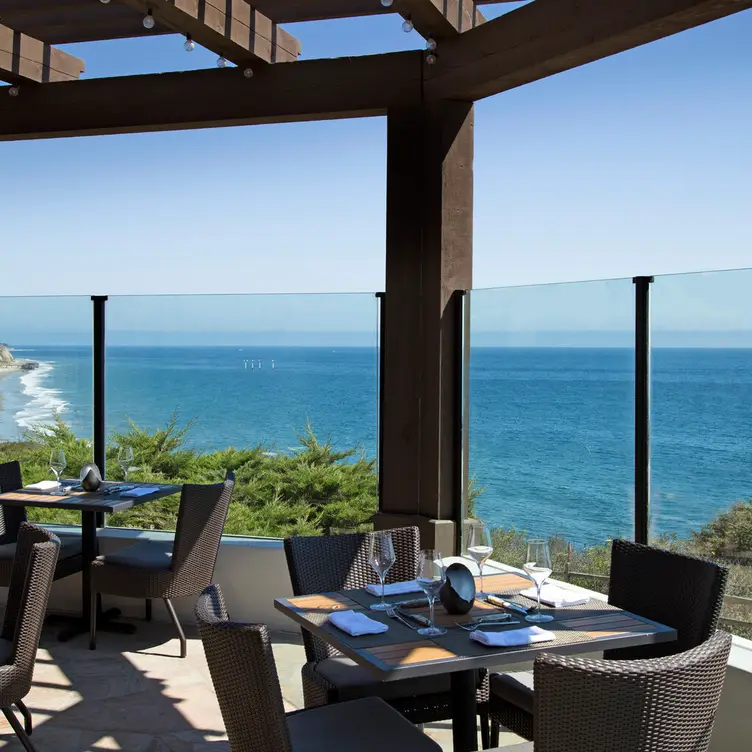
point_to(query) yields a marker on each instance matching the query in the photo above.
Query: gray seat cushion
(156, 556)
(354, 681)
(70, 545)
(516, 687)
(366, 725)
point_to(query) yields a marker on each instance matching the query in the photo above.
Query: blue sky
(638, 164)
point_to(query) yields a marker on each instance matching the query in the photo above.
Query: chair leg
(494, 742)
(26, 716)
(93, 622)
(148, 609)
(484, 728)
(18, 728)
(176, 622)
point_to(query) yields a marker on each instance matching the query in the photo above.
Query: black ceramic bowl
(91, 480)
(458, 592)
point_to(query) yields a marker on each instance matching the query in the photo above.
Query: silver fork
(392, 613)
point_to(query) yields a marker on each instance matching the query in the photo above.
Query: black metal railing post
(463, 418)
(642, 409)
(381, 298)
(98, 406)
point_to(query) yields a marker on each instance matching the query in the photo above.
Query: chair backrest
(683, 592)
(10, 517)
(34, 564)
(198, 533)
(630, 706)
(245, 677)
(322, 564)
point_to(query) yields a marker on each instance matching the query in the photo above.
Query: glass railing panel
(46, 388)
(701, 445)
(282, 389)
(551, 421)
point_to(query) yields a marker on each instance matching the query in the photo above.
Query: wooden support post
(428, 260)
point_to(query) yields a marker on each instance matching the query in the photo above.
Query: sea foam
(44, 402)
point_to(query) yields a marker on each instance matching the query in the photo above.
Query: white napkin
(558, 597)
(140, 491)
(43, 485)
(513, 637)
(396, 588)
(356, 623)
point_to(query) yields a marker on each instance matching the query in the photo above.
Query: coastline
(25, 399)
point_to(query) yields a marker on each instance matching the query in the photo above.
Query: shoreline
(26, 402)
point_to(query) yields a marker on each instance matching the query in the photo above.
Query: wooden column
(428, 263)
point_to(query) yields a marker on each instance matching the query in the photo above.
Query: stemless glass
(479, 547)
(538, 568)
(381, 558)
(125, 459)
(57, 463)
(431, 576)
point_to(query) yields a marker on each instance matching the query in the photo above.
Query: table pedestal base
(464, 711)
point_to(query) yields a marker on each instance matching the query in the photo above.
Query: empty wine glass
(538, 568)
(381, 557)
(479, 547)
(431, 577)
(125, 459)
(57, 463)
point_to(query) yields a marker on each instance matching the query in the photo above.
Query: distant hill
(8, 362)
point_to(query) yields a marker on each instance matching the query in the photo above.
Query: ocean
(551, 429)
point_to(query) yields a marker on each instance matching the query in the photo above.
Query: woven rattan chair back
(630, 706)
(245, 677)
(10, 517)
(322, 564)
(33, 571)
(201, 520)
(683, 592)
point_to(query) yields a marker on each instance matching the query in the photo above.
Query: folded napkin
(356, 623)
(43, 485)
(558, 597)
(140, 491)
(512, 637)
(396, 588)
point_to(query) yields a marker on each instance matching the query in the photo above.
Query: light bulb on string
(431, 58)
(189, 45)
(431, 44)
(248, 72)
(148, 21)
(105, 2)
(13, 91)
(387, 3)
(407, 26)
(221, 61)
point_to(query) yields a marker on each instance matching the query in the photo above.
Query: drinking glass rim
(536, 540)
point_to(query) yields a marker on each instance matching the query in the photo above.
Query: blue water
(551, 429)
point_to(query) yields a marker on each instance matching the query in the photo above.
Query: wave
(44, 403)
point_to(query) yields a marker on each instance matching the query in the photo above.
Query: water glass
(125, 460)
(538, 568)
(479, 547)
(431, 577)
(57, 463)
(381, 557)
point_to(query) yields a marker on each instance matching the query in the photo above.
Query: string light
(148, 21)
(189, 46)
(13, 91)
(248, 72)
(431, 58)
(408, 26)
(385, 3)
(431, 44)
(105, 2)
(221, 61)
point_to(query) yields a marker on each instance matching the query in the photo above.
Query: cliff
(9, 363)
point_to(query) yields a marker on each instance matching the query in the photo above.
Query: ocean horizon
(551, 428)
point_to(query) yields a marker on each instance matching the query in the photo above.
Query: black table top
(83, 501)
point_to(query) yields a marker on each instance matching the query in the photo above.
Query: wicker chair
(679, 591)
(11, 519)
(28, 592)
(245, 679)
(320, 564)
(166, 570)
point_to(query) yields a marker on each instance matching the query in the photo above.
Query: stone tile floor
(133, 693)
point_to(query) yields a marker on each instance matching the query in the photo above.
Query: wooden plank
(231, 28)
(309, 90)
(322, 603)
(440, 19)
(410, 653)
(550, 36)
(497, 583)
(24, 58)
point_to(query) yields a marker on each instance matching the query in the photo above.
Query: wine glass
(538, 568)
(431, 577)
(479, 546)
(381, 557)
(57, 463)
(125, 459)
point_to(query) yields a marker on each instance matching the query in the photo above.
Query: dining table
(110, 497)
(402, 653)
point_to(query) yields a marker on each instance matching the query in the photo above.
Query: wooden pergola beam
(23, 58)
(309, 90)
(441, 19)
(551, 36)
(231, 28)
